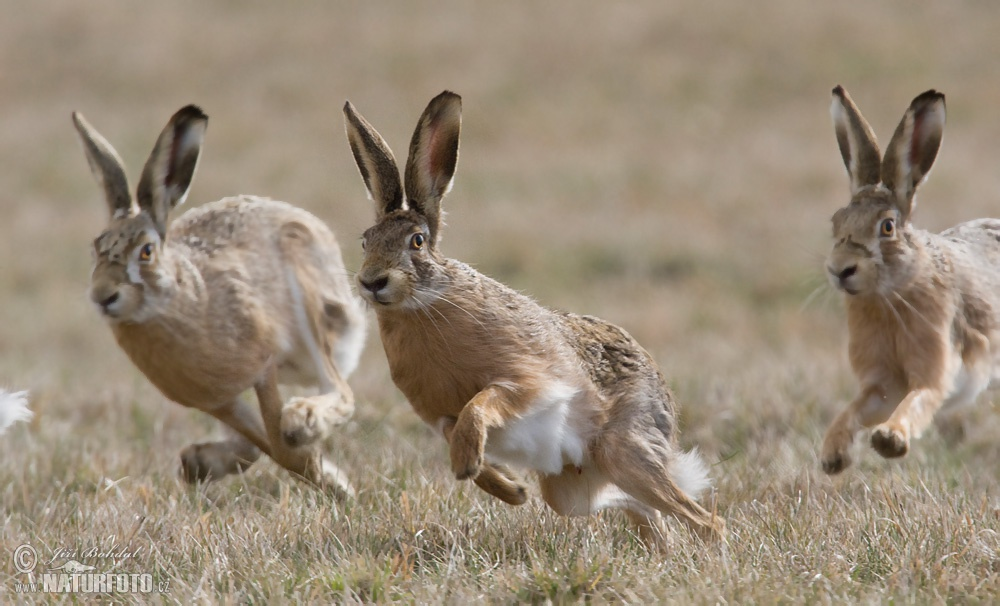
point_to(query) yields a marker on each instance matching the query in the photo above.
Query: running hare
(923, 309)
(507, 381)
(237, 294)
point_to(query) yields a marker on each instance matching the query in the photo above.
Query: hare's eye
(363, 242)
(417, 241)
(146, 252)
(887, 227)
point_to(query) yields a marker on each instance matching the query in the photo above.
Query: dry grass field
(667, 165)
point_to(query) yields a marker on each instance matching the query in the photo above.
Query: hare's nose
(847, 272)
(375, 285)
(110, 300)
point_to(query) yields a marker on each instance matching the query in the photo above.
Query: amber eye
(887, 227)
(417, 241)
(146, 252)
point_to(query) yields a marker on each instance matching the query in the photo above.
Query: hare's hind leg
(580, 491)
(213, 460)
(637, 460)
(498, 481)
(307, 463)
(320, 319)
(648, 524)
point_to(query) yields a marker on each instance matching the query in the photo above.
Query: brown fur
(507, 381)
(236, 294)
(922, 310)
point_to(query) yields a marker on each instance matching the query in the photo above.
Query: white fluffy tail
(690, 472)
(13, 408)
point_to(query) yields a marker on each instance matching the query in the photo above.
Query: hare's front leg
(308, 420)
(873, 405)
(307, 463)
(322, 320)
(495, 480)
(213, 460)
(468, 437)
(914, 414)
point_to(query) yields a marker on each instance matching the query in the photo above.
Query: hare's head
(130, 282)
(872, 251)
(402, 267)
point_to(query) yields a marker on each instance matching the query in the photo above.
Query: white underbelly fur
(967, 384)
(543, 439)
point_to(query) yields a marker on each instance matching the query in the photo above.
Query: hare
(509, 383)
(13, 408)
(240, 293)
(923, 309)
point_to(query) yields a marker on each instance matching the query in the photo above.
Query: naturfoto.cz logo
(73, 576)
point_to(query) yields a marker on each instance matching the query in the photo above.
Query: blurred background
(667, 165)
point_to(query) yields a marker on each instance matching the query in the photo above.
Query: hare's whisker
(913, 309)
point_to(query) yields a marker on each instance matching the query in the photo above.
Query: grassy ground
(669, 166)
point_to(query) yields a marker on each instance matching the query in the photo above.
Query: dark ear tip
(448, 95)
(190, 112)
(926, 97)
(838, 91)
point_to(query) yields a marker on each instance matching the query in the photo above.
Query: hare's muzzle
(371, 288)
(843, 278)
(107, 301)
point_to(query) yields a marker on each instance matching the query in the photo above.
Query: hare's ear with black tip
(107, 168)
(430, 167)
(913, 148)
(857, 142)
(166, 178)
(375, 161)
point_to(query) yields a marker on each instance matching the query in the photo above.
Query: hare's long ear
(166, 178)
(107, 168)
(857, 142)
(375, 161)
(430, 168)
(913, 148)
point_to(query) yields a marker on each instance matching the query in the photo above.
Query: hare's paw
(836, 455)
(466, 456)
(836, 462)
(211, 461)
(305, 421)
(890, 442)
(301, 422)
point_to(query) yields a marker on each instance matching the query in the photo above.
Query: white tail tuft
(13, 408)
(690, 472)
